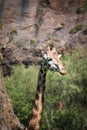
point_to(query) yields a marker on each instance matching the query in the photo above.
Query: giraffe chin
(63, 72)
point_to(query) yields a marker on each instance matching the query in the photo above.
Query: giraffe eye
(49, 59)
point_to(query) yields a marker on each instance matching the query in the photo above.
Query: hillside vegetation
(65, 106)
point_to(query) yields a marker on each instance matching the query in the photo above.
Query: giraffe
(52, 62)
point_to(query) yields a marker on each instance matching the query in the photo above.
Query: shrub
(21, 89)
(11, 35)
(68, 120)
(1, 24)
(18, 44)
(75, 29)
(82, 9)
(32, 40)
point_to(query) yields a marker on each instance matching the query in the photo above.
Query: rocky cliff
(8, 120)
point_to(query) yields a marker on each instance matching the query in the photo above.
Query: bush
(21, 88)
(76, 28)
(68, 120)
(82, 9)
(1, 25)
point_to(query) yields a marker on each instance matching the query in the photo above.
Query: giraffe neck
(34, 123)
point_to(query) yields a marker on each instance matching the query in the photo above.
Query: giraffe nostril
(63, 68)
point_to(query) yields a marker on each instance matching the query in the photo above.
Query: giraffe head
(51, 60)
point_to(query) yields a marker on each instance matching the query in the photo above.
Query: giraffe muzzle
(63, 72)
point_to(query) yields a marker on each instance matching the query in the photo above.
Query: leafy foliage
(12, 34)
(76, 28)
(82, 9)
(1, 25)
(32, 40)
(21, 87)
(65, 106)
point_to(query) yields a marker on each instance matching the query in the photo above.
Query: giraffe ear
(43, 54)
(59, 56)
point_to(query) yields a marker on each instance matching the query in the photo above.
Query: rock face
(8, 120)
(62, 4)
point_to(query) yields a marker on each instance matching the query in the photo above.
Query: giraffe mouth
(63, 72)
